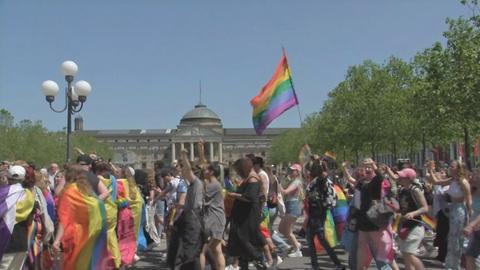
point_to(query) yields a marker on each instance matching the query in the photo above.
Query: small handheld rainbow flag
(429, 222)
(331, 154)
(277, 96)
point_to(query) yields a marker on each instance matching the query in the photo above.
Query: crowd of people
(96, 215)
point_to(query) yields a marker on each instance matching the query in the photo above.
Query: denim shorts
(292, 208)
(160, 208)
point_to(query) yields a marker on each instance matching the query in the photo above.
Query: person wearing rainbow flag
(82, 228)
(318, 203)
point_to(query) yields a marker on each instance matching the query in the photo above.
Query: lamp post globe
(69, 68)
(50, 90)
(82, 89)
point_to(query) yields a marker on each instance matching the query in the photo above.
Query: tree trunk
(394, 153)
(466, 147)
(424, 148)
(357, 157)
(373, 151)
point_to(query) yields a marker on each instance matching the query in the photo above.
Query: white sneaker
(136, 258)
(231, 267)
(279, 261)
(296, 254)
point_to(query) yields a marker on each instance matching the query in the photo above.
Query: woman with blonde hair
(82, 227)
(460, 209)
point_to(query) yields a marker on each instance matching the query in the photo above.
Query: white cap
(132, 171)
(16, 173)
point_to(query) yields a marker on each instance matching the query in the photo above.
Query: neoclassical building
(140, 148)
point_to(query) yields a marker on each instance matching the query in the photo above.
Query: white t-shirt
(265, 184)
(171, 197)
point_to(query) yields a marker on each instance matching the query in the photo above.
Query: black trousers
(441, 238)
(316, 227)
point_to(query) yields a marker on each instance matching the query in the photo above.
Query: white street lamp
(73, 96)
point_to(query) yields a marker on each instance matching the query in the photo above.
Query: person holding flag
(318, 203)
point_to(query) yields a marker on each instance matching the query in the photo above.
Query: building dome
(201, 115)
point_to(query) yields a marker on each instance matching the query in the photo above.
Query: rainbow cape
(329, 233)
(137, 205)
(125, 227)
(16, 204)
(340, 212)
(277, 96)
(112, 213)
(84, 220)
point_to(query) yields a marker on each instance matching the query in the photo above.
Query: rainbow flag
(330, 232)
(112, 214)
(16, 204)
(429, 222)
(136, 204)
(331, 155)
(85, 239)
(126, 235)
(277, 96)
(340, 212)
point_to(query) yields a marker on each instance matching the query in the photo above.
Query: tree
(31, 141)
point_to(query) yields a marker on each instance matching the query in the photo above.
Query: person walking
(319, 195)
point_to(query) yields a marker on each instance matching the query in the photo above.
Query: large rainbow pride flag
(277, 96)
(85, 238)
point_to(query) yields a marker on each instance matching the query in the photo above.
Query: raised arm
(391, 174)
(435, 180)
(186, 167)
(347, 174)
(201, 152)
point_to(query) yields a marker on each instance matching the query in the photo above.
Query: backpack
(272, 199)
(330, 197)
(326, 197)
(427, 191)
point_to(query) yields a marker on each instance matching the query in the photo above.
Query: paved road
(152, 260)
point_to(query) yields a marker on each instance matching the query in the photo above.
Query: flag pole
(294, 93)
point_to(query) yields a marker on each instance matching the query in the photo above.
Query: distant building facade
(140, 148)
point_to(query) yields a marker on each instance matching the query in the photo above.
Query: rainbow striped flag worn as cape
(16, 204)
(85, 238)
(277, 96)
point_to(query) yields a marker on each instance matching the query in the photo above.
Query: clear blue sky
(144, 59)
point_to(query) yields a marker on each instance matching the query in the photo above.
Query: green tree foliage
(30, 141)
(398, 106)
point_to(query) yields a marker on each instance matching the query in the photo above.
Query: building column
(182, 146)
(211, 151)
(192, 156)
(220, 152)
(173, 152)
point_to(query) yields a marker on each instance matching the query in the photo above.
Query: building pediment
(198, 132)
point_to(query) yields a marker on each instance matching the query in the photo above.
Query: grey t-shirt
(194, 200)
(214, 210)
(214, 198)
